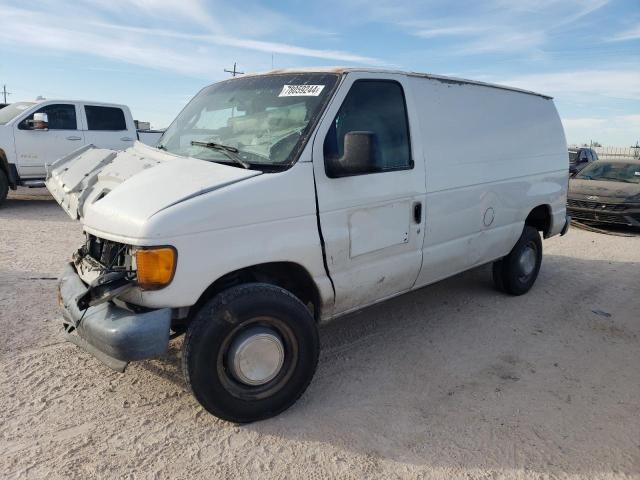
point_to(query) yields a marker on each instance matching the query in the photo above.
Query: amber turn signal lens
(155, 267)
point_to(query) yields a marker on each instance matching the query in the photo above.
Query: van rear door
(109, 126)
(371, 190)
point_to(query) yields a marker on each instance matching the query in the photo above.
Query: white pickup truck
(34, 134)
(277, 201)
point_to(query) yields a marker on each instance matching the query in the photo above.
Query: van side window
(61, 117)
(373, 121)
(105, 118)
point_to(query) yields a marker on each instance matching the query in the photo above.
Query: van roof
(439, 78)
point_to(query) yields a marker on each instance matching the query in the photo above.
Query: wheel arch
(291, 276)
(541, 219)
(8, 171)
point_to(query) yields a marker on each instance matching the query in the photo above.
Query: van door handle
(417, 212)
(74, 138)
(126, 139)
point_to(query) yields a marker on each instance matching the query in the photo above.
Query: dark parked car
(580, 158)
(606, 192)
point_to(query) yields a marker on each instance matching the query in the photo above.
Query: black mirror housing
(360, 155)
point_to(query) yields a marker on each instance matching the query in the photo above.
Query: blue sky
(154, 55)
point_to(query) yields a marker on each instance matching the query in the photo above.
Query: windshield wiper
(230, 152)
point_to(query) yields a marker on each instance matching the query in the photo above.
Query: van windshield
(10, 112)
(265, 119)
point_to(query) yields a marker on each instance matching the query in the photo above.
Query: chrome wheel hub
(527, 261)
(256, 356)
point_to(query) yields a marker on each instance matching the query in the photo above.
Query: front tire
(4, 186)
(250, 352)
(516, 273)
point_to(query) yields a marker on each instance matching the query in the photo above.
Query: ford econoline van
(277, 201)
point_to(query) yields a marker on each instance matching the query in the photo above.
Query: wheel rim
(256, 356)
(527, 261)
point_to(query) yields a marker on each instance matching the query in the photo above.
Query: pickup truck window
(62, 116)
(10, 112)
(266, 118)
(377, 108)
(105, 118)
(584, 157)
(573, 157)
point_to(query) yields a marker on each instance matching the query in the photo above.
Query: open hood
(136, 183)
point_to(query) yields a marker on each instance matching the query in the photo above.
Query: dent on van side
(361, 185)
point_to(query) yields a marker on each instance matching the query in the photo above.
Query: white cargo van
(278, 201)
(34, 134)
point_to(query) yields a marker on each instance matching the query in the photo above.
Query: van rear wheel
(516, 273)
(250, 352)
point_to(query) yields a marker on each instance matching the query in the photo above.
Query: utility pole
(234, 72)
(5, 93)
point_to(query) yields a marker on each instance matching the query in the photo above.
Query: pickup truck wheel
(4, 186)
(250, 352)
(517, 272)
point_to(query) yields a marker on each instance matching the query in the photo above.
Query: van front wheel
(516, 273)
(250, 352)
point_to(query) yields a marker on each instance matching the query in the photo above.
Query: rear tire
(250, 352)
(516, 273)
(4, 186)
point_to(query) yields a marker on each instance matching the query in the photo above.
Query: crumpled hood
(107, 189)
(620, 191)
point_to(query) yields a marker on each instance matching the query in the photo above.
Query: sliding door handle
(74, 138)
(126, 139)
(417, 212)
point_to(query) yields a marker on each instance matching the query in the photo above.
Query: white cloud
(623, 84)
(505, 42)
(501, 26)
(192, 10)
(160, 48)
(258, 45)
(632, 34)
(453, 31)
(620, 130)
(571, 10)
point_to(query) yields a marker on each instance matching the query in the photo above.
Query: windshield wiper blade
(230, 152)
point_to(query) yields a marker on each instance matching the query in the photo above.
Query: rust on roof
(437, 78)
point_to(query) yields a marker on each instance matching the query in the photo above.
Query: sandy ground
(452, 381)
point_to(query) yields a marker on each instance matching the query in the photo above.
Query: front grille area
(110, 254)
(612, 207)
(599, 217)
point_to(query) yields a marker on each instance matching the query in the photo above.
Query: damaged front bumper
(112, 334)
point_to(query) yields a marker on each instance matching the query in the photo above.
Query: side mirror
(40, 121)
(360, 155)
